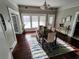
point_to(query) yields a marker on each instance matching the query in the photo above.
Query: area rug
(36, 50)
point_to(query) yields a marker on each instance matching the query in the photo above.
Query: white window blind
(26, 20)
(42, 20)
(34, 21)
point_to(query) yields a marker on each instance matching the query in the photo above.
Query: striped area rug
(36, 50)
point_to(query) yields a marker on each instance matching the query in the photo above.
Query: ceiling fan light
(45, 6)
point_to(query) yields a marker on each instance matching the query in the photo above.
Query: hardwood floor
(22, 50)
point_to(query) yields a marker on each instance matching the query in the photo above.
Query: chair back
(51, 37)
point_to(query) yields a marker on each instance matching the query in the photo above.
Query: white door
(4, 49)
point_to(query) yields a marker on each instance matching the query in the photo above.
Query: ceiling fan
(45, 6)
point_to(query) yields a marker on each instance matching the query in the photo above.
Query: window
(42, 20)
(50, 19)
(14, 18)
(34, 21)
(27, 23)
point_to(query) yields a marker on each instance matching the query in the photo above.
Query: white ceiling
(53, 3)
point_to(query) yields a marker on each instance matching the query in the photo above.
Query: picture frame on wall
(68, 18)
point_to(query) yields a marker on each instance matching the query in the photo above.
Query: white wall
(4, 11)
(5, 44)
(67, 12)
(4, 49)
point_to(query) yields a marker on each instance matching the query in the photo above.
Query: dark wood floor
(22, 50)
